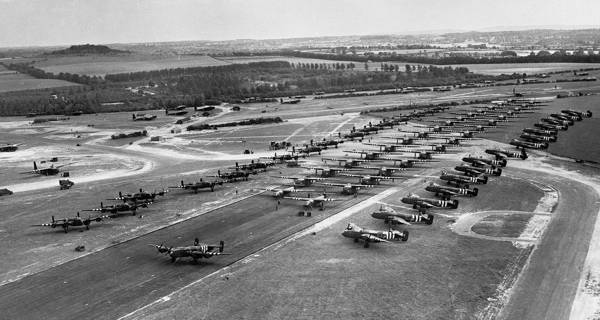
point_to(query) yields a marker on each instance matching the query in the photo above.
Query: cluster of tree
(68, 100)
(87, 49)
(234, 83)
(324, 66)
(142, 133)
(247, 122)
(41, 74)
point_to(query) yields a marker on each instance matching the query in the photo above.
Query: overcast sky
(62, 22)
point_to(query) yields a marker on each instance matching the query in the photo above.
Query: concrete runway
(121, 278)
(548, 284)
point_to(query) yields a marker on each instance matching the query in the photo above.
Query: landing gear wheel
(308, 214)
(355, 240)
(366, 244)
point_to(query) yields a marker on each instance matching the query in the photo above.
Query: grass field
(502, 226)
(102, 65)
(529, 68)
(14, 81)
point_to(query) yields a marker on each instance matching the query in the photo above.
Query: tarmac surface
(547, 286)
(116, 280)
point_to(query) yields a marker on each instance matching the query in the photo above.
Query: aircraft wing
(399, 220)
(371, 238)
(299, 198)
(333, 184)
(287, 177)
(351, 175)
(424, 204)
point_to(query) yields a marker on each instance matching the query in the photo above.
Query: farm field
(100, 65)
(529, 68)
(14, 81)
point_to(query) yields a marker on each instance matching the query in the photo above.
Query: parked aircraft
(195, 186)
(302, 181)
(143, 117)
(357, 233)
(367, 179)
(347, 188)
(140, 196)
(328, 172)
(462, 181)
(311, 202)
(501, 154)
(549, 126)
(531, 145)
(538, 138)
(480, 162)
(477, 171)
(197, 251)
(446, 192)
(389, 215)
(76, 221)
(49, 171)
(121, 207)
(280, 192)
(418, 202)
(9, 147)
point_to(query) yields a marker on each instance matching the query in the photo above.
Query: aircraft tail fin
(221, 245)
(52, 219)
(34, 166)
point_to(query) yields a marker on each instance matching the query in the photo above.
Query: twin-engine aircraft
(197, 251)
(140, 196)
(76, 221)
(195, 186)
(50, 171)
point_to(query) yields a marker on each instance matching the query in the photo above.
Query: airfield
(519, 250)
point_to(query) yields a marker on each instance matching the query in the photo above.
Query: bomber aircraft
(76, 221)
(49, 171)
(140, 196)
(195, 186)
(120, 207)
(197, 251)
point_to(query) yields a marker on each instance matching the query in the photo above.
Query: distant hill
(88, 49)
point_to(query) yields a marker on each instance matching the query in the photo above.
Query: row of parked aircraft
(474, 171)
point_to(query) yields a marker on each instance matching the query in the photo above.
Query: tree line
(507, 57)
